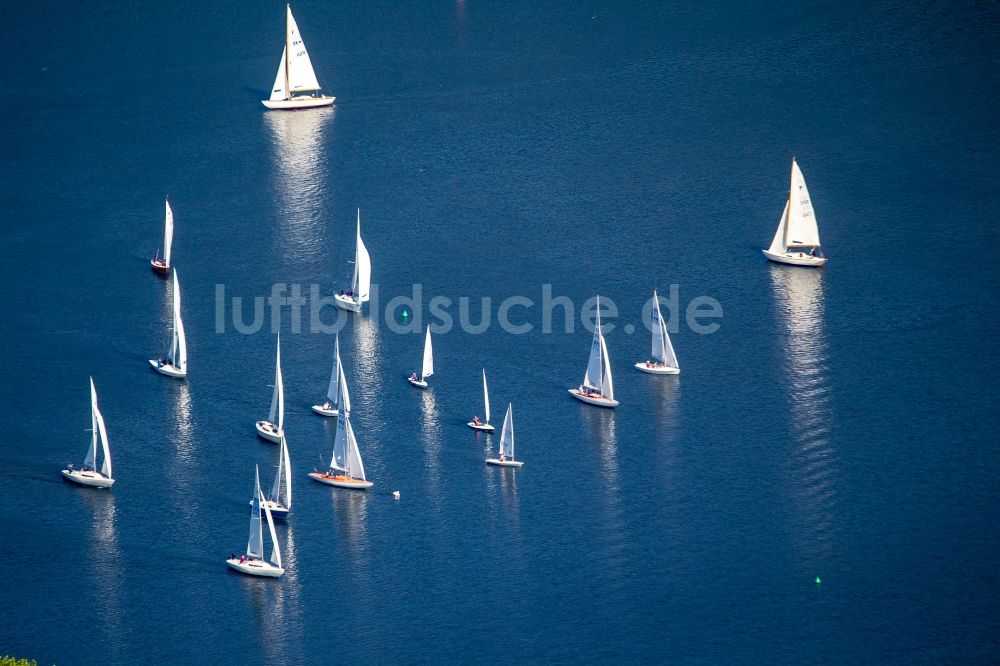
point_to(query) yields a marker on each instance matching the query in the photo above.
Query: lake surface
(839, 426)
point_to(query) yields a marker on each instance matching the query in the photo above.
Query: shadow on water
(813, 460)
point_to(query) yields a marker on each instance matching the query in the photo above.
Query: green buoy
(406, 314)
(818, 581)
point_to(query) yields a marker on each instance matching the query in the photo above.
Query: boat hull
(159, 267)
(297, 103)
(504, 463)
(484, 427)
(267, 431)
(167, 369)
(341, 481)
(657, 369)
(795, 258)
(92, 479)
(278, 511)
(256, 568)
(348, 303)
(593, 400)
(419, 383)
(324, 412)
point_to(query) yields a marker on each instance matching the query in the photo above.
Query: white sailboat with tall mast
(89, 475)
(295, 86)
(329, 408)
(427, 369)
(475, 423)
(279, 500)
(506, 458)
(273, 429)
(161, 265)
(253, 561)
(354, 298)
(175, 363)
(597, 387)
(346, 469)
(664, 360)
(796, 241)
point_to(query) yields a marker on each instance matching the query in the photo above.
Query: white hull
(795, 258)
(348, 303)
(277, 510)
(485, 427)
(341, 481)
(657, 369)
(419, 383)
(324, 412)
(504, 463)
(266, 430)
(256, 568)
(298, 103)
(93, 479)
(593, 400)
(167, 369)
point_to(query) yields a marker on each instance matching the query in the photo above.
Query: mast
(288, 44)
(788, 208)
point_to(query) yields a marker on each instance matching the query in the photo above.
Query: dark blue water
(840, 424)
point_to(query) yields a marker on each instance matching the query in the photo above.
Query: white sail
(663, 350)
(255, 544)
(801, 229)
(593, 378)
(428, 366)
(333, 390)
(168, 234)
(279, 90)
(281, 491)
(178, 346)
(354, 468)
(507, 436)
(275, 551)
(338, 461)
(607, 386)
(90, 461)
(778, 242)
(301, 77)
(486, 396)
(101, 431)
(278, 397)
(361, 282)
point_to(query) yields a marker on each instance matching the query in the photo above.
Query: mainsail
(507, 436)
(428, 366)
(801, 229)
(278, 397)
(361, 282)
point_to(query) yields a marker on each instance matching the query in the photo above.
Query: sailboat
(664, 360)
(88, 474)
(346, 469)
(428, 367)
(295, 86)
(475, 423)
(175, 363)
(273, 429)
(597, 387)
(796, 241)
(506, 458)
(329, 408)
(279, 501)
(357, 295)
(162, 266)
(253, 562)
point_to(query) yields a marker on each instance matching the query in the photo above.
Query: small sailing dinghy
(279, 501)
(796, 241)
(597, 387)
(506, 458)
(273, 429)
(329, 408)
(475, 423)
(175, 363)
(346, 469)
(428, 366)
(295, 86)
(160, 265)
(88, 475)
(253, 562)
(355, 297)
(664, 361)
